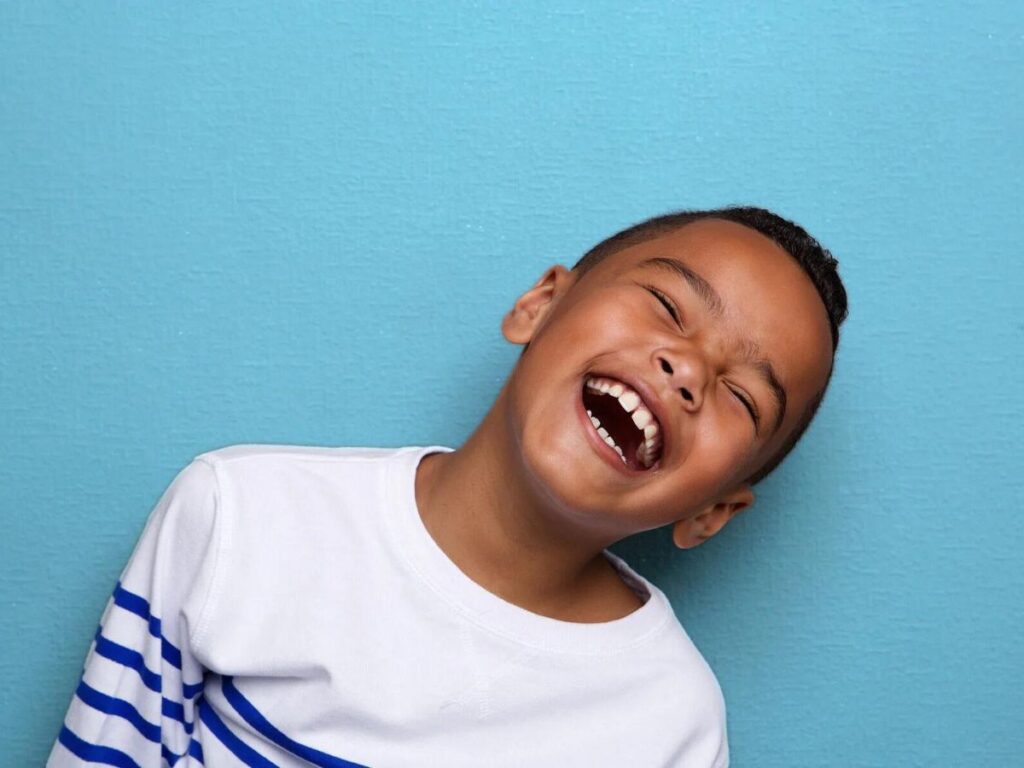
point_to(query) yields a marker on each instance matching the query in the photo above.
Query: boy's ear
(695, 530)
(521, 323)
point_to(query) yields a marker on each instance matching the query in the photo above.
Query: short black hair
(817, 262)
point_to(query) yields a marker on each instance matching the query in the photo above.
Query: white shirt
(285, 605)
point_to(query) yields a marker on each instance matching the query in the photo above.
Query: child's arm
(137, 699)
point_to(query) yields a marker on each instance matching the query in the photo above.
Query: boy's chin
(571, 474)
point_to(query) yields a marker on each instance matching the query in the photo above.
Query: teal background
(303, 223)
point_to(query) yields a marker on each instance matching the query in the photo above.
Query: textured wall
(303, 225)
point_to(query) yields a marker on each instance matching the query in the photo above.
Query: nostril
(665, 366)
(686, 394)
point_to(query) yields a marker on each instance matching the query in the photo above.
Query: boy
(427, 606)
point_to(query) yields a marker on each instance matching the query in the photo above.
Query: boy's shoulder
(253, 481)
(267, 483)
(263, 452)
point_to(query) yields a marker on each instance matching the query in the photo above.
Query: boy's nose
(688, 375)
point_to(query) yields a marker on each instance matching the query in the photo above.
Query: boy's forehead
(727, 258)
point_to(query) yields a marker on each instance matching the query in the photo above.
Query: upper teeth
(632, 404)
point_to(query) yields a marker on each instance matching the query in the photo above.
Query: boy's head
(723, 322)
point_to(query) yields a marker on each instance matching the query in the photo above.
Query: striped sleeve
(136, 702)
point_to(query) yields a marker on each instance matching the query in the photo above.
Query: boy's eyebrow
(714, 305)
(704, 289)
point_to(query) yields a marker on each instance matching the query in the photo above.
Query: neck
(480, 507)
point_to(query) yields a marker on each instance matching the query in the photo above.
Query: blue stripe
(138, 605)
(253, 717)
(176, 711)
(169, 756)
(168, 708)
(171, 654)
(134, 660)
(238, 748)
(94, 753)
(128, 658)
(195, 749)
(108, 705)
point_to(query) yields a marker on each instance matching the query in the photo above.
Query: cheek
(721, 443)
(613, 322)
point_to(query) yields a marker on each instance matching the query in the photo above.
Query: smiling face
(713, 329)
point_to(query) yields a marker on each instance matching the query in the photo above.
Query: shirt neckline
(430, 563)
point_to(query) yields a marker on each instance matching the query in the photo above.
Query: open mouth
(623, 421)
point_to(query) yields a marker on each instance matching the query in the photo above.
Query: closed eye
(667, 303)
(749, 406)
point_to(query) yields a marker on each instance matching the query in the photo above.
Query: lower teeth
(645, 458)
(642, 457)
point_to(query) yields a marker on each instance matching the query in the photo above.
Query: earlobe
(693, 531)
(522, 322)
